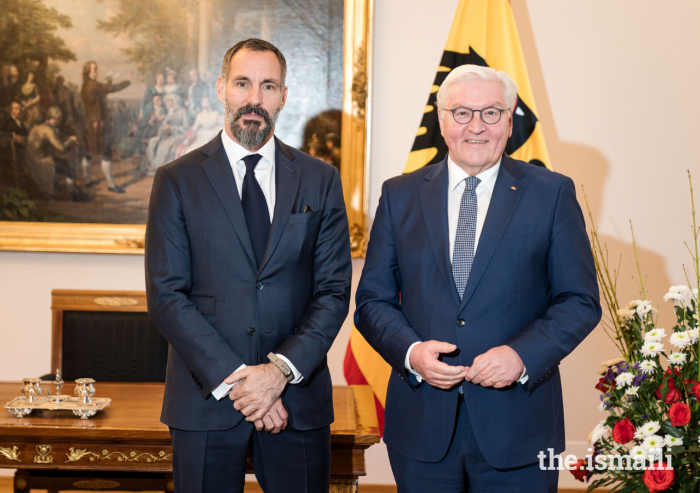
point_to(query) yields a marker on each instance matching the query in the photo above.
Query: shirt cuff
(524, 377)
(298, 377)
(222, 390)
(407, 362)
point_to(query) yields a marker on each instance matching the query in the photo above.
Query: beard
(250, 135)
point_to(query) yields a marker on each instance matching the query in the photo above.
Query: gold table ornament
(10, 453)
(76, 455)
(43, 457)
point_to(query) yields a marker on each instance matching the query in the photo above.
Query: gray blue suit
(532, 287)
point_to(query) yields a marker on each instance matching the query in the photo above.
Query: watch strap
(284, 367)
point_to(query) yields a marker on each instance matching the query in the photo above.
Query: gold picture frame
(355, 144)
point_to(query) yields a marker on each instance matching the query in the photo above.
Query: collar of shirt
(236, 152)
(457, 176)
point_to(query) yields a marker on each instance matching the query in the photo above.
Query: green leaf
(671, 430)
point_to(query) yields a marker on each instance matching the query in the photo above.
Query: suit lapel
(507, 193)
(218, 170)
(433, 196)
(287, 175)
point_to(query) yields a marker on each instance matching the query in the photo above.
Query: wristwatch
(284, 367)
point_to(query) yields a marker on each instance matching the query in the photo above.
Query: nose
(255, 96)
(476, 125)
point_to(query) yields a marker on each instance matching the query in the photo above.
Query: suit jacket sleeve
(168, 285)
(575, 307)
(332, 270)
(378, 315)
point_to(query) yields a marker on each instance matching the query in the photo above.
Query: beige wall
(602, 74)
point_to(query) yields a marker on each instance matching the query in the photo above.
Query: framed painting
(97, 94)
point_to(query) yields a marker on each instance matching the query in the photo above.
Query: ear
(440, 116)
(510, 119)
(284, 97)
(220, 89)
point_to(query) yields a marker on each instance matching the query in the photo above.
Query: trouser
(215, 461)
(464, 469)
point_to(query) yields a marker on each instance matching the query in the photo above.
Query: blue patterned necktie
(463, 254)
(255, 208)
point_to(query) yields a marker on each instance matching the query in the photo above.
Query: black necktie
(255, 208)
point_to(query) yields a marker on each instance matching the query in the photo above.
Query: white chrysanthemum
(694, 335)
(632, 390)
(600, 431)
(655, 335)
(653, 442)
(671, 441)
(624, 314)
(601, 407)
(676, 358)
(651, 349)
(639, 433)
(644, 308)
(624, 379)
(679, 294)
(647, 366)
(638, 453)
(650, 427)
(680, 339)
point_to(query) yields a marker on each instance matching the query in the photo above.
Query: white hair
(476, 73)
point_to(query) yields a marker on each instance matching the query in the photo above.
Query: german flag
(483, 33)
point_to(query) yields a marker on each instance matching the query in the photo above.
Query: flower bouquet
(650, 440)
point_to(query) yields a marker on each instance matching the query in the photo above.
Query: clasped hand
(498, 367)
(257, 396)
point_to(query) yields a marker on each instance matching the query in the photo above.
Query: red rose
(679, 414)
(658, 479)
(675, 370)
(672, 396)
(579, 471)
(696, 391)
(623, 431)
(605, 385)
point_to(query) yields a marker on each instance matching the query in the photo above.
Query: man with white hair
(478, 281)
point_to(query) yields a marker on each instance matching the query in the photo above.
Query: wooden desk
(128, 436)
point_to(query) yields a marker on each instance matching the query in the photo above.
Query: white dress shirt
(265, 174)
(484, 191)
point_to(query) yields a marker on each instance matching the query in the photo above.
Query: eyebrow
(243, 78)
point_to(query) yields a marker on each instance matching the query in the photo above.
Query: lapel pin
(512, 188)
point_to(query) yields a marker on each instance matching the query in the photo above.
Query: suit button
(461, 322)
(259, 285)
(251, 331)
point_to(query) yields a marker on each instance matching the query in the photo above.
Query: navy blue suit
(218, 310)
(532, 287)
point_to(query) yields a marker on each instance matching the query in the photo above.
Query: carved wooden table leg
(21, 485)
(343, 486)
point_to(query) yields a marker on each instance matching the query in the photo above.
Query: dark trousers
(464, 469)
(215, 461)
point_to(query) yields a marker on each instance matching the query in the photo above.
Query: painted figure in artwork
(94, 95)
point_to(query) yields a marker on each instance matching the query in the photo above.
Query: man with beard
(248, 278)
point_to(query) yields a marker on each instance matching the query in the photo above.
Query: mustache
(256, 110)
